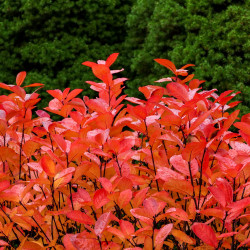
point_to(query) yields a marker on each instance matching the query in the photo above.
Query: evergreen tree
(51, 38)
(213, 34)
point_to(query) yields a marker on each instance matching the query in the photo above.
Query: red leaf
(4, 185)
(63, 177)
(180, 186)
(48, 166)
(56, 93)
(4, 86)
(100, 198)
(195, 83)
(223, 192)
(177, 90)
(182, 166)
(80, 241)
(81, 196)
(166, 63)
(102, 223)
(215, 212)
(165, 173)
(80, 217)
(124, 198)
(138, 111)
(152, 206)
(142, 214)
(73, 94)
(3, 127)
(127, 227)
(140, 196)
(187, 65)
(111, 59)
(205, 233)
(3, 243)
(244, 242)
(106, 184)
(89, 64)
(98, 105)
(20, 78)
(60, 142)
(245, 127)
(192, 150)
(19, 91)
(177, 213)
(227, 124)
(102, 72)
(34, 85)
(241, 204)
(162, 234)
(199, 120)
(188, 78)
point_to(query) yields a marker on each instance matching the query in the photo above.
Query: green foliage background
(51, 38)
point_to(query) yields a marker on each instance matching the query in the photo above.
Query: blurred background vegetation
(51, 38)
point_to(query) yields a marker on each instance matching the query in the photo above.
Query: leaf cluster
(163, 172)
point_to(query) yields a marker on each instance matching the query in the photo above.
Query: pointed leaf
(180, 186)
(182, 166)
(166, 63)
(48, 166)
(127, 227)
(162, 234)
(89, 64)
(4, 185)
(100, 198)
(80, 217)
(102, 223)
(178, 90)
(124, 198)
(34, 85)
(222, 192)
(205, 233)
(181, 236)
(111, 59)
(20, 78)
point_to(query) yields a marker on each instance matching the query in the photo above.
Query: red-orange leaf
(101, 223)
(111, 59)
(34, 85)
(177, 213)
(162, 234)
(127, 227)
(20, 78)
(166, 63)
(245, 127)
(80, 217)
(48, 166)
(3, 243)
(177, 90)
(4, 185)
(124, 198)
(89, 64)
(180, 186)
(205, 233)
(182, 166)
(222, 192)
(227, 124)
(152, 206)
(193, 149)
(100, 198)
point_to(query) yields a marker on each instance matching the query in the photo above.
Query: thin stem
(32, 217)
(200, 181)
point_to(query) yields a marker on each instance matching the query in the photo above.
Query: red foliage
(161, 173)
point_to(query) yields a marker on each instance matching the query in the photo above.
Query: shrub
(160, 173)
